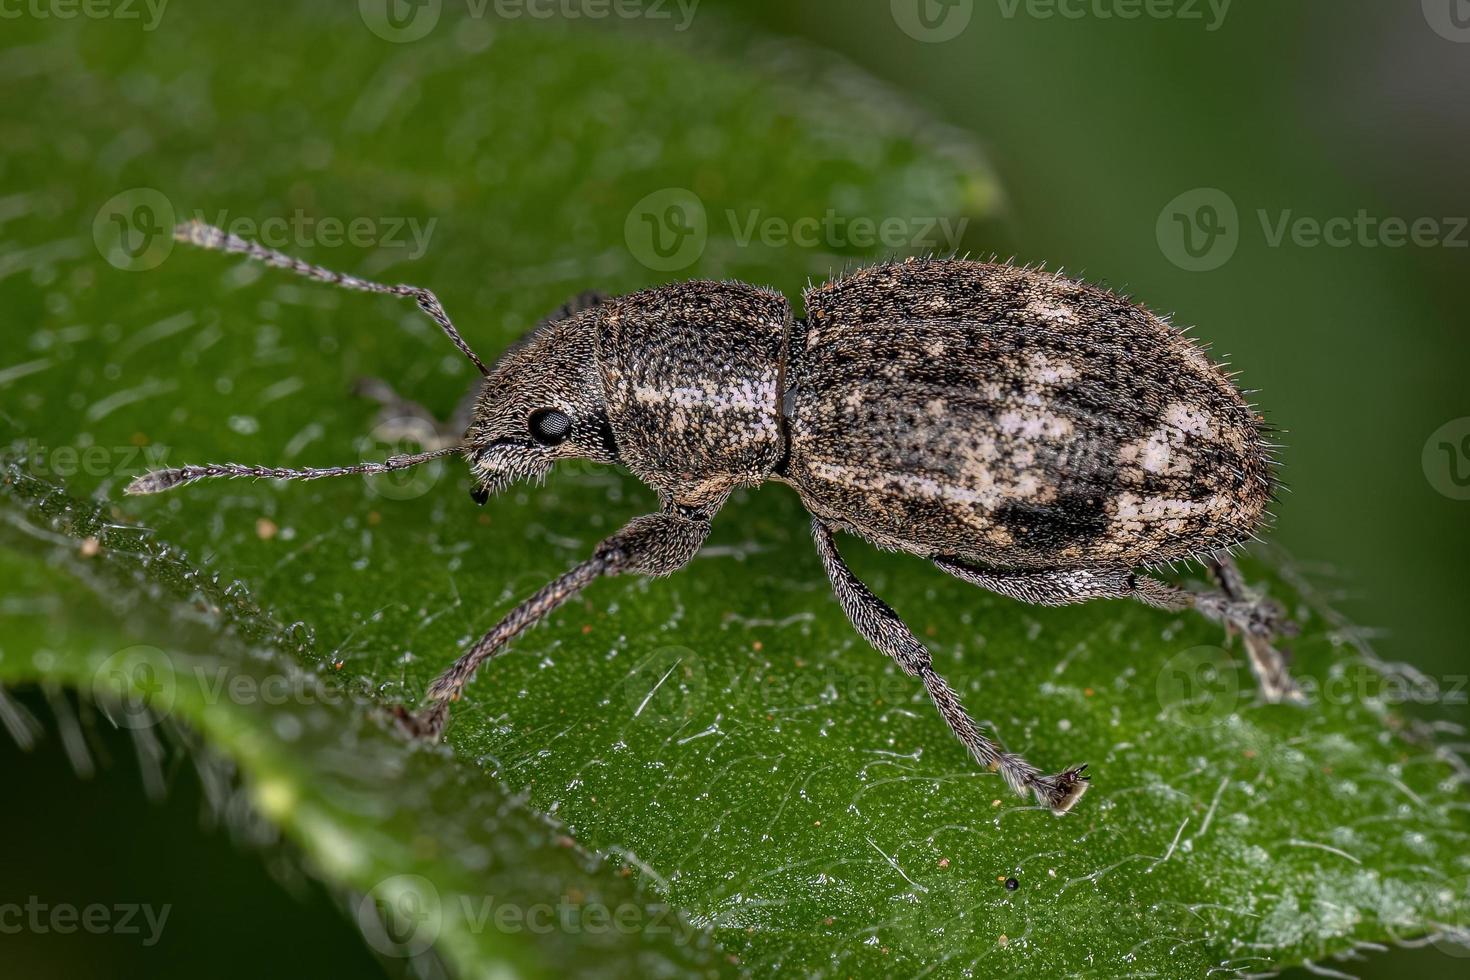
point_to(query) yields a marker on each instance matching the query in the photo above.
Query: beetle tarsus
(428, 724)
(1061, 792)
(1259, 621)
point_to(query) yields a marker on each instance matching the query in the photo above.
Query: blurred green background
(1104, 132)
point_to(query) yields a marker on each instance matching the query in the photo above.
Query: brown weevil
(1030, 434)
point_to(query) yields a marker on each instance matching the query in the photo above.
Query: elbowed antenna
(199, 234)
(161, 480)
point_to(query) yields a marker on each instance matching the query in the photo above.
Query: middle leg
(877, 623)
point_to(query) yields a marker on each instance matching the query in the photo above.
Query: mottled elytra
(1027, 433)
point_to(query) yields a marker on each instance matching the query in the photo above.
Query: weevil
(1027, 433)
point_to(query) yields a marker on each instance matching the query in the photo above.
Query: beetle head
(541, 402)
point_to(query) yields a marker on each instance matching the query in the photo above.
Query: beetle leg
(1256, 620)
(655, 545)
(1048, 587)
(877, 623)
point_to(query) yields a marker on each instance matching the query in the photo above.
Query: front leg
(877, 623)
(656, 544)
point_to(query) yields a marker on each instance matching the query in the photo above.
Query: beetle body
(1032, 435)
(995, 414)
(1017, 419)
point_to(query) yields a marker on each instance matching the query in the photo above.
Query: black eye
(550, 426)
(480, 495)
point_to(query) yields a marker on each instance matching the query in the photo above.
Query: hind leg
(1255, 618)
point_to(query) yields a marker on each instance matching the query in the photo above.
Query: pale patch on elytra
(1048, 372)
(985, 495)
(1139, 518)
(1159, 453)
(1000, 536)
(1052, 312)
(1190, 420)
(1165, 451)
(1035, 424)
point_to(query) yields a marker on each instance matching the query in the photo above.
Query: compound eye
(480, 495)
(550, 426)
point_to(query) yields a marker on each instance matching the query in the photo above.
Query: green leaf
(720, 742)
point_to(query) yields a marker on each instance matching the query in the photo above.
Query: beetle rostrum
(1027, 433)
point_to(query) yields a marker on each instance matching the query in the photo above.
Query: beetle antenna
(202, 235)
(161, 480)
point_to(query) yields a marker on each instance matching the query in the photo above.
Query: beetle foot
(1060, 793)
(1259, 622)
(428, 724)
(1269, 665)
